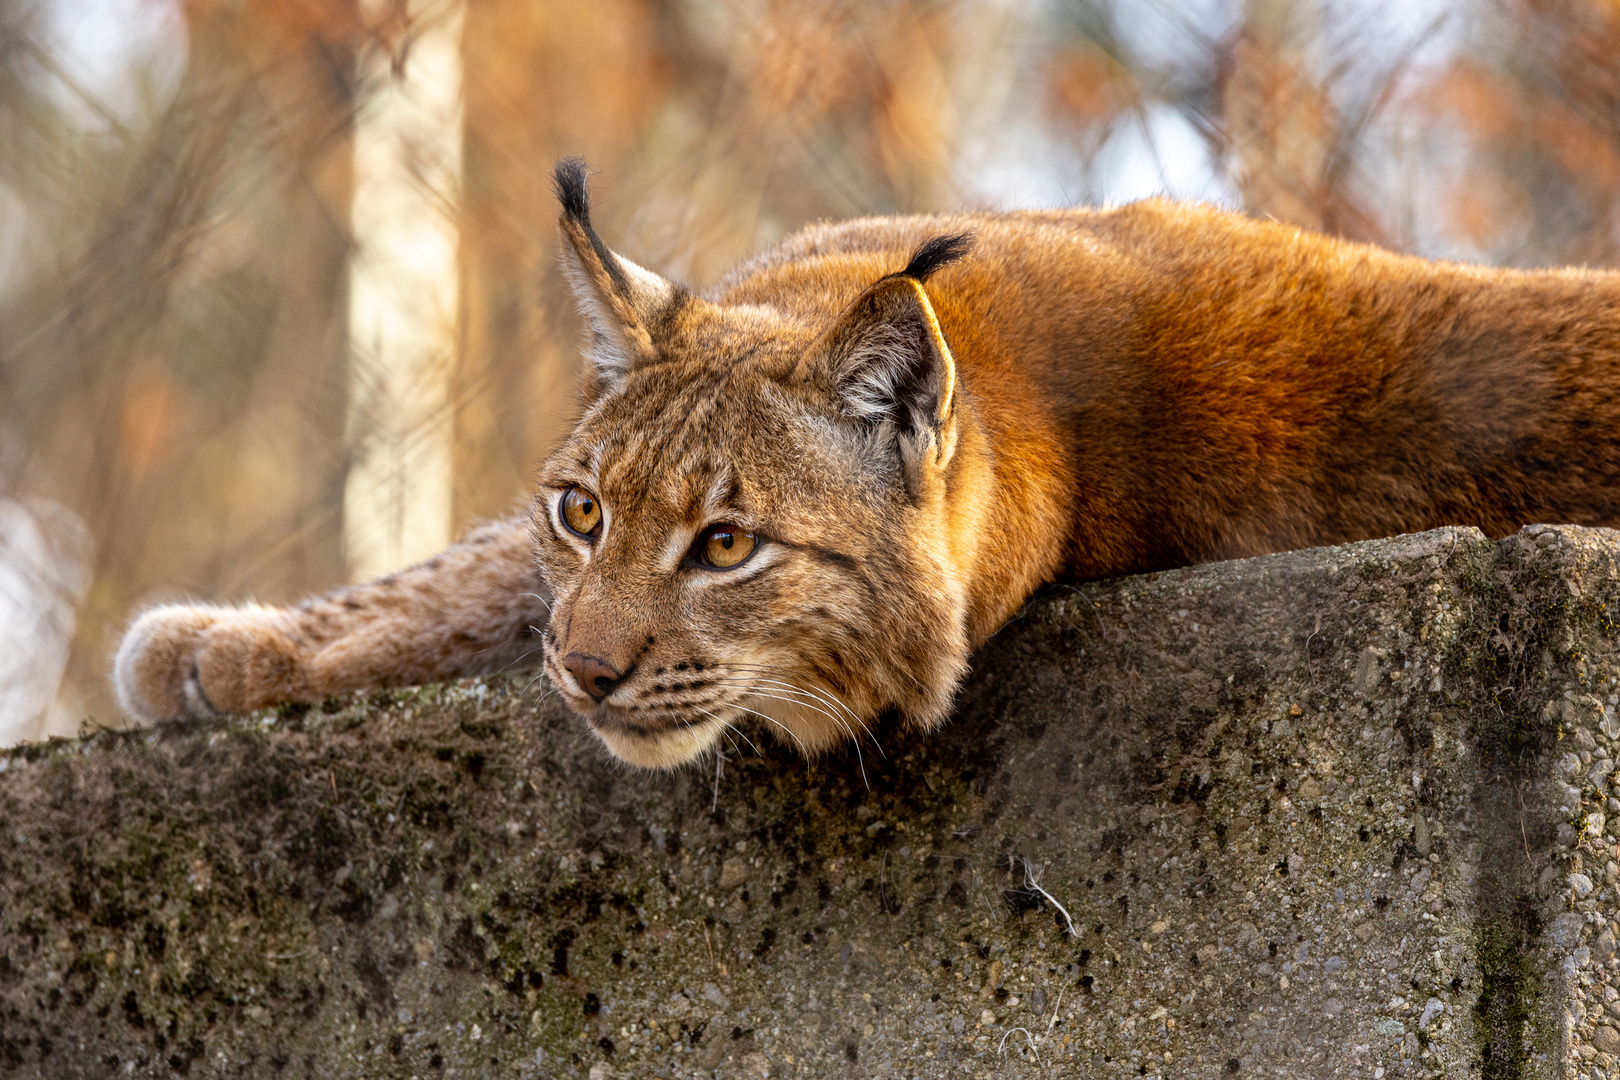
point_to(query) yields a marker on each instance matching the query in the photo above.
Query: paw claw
(190, 662)
(156, 665)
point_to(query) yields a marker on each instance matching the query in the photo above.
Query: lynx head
(749, 524)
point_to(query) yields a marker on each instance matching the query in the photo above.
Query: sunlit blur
(403, 292)
(213, 385)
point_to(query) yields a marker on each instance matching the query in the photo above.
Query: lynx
(803, 498)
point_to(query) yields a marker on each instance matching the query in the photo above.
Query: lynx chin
(803, 497)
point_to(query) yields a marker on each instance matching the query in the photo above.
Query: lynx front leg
(475, 608)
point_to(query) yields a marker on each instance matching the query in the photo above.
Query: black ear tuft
(936, 253)
(573, 189)
(570, 182)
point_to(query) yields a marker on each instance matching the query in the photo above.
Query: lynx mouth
(672, 729)
(663, 747)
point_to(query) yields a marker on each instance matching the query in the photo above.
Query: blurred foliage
(173, 250)
(1536, 99)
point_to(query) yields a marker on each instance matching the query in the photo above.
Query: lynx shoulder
(803, 497)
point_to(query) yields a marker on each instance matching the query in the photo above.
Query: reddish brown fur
(1091, 393)
(1184, 384)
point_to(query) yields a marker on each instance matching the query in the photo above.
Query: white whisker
(778, 723)
(766, 692)
(826, 696)
(726, 724)
(775, 694)
(859, 757)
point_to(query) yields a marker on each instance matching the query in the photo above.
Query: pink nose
(596, 676)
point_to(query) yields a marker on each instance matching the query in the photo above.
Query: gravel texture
(1343, 812)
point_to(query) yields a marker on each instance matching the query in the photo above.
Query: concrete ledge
(1341, 812)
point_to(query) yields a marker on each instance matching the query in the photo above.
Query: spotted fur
(922, 419)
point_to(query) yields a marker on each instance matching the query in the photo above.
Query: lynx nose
(596, 676)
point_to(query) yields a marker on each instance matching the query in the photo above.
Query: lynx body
(806, 496)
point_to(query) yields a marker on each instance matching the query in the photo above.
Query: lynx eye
(581, 512)
(722, 547)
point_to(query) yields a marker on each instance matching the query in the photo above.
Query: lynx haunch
(804, 497)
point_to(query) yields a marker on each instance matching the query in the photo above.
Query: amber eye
(724, 546)
(581, 512)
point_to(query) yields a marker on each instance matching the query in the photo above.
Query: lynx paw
(188, 660)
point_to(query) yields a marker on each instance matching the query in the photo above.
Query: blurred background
(279, 302)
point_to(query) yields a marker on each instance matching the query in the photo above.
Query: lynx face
(747, 527)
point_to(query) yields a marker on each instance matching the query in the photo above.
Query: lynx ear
(890, 361)
(622, 302)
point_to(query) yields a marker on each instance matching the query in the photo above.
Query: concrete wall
(1341, 812)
